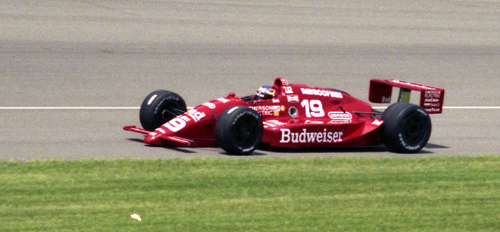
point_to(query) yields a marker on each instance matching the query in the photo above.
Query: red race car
(293, 116)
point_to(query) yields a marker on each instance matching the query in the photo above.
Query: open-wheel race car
(293, 116)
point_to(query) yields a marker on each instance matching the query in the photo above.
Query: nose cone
(153, 139)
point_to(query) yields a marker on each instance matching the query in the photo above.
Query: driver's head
(266, 92)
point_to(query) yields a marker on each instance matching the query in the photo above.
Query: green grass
(297, 194)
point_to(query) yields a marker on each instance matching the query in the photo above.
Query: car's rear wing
(431, 98)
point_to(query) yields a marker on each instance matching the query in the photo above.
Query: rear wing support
(431, 98)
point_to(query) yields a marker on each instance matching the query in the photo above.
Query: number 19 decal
(175, 124)
(313, 108)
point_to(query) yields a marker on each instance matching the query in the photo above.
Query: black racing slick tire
(239, 130)
(406, 129)
(160, 107)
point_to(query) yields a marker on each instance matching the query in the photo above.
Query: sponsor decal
(386, 99)
(273, 123)
(432, 104)
(223, 100)
(267, 124)
(275, 100)
(313, 122)
(321, 92)
(431, 100)
(195, 115)
(377, 122)
(340, 115)
(209, 105)
(269, 110)
(311, 137)
(430, 110)
(184, 117)
(433, 94)
(339, 121)
(180, 121)
(293, 98)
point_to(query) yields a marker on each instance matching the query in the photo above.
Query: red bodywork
(299, 116)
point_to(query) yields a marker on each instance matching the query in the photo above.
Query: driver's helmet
(266, 92)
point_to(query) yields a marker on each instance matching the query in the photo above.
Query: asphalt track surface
(73, 73)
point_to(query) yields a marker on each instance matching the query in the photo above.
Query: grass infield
(253, 194)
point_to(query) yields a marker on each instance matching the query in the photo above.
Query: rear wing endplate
(431, 98)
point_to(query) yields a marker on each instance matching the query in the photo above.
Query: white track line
(455, 107)
(68, 108)
(472, 107)
(137, 108)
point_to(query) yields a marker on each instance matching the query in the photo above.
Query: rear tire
(239, 130)
(406, 129)
(160, 107)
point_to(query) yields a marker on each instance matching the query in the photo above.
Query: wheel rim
(414, 129)
(245, 131)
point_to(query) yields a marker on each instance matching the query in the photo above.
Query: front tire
(239, 130)
(160, 107)
(406, 129)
